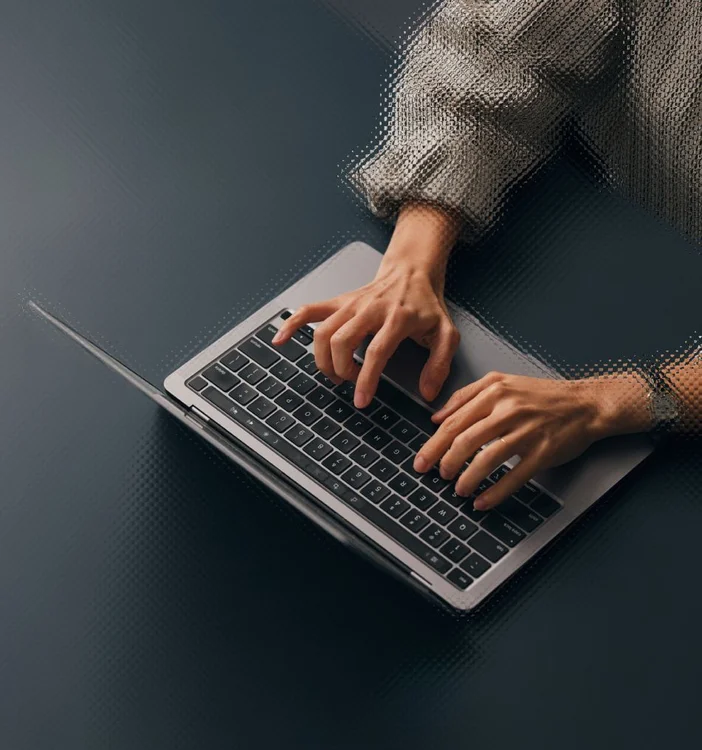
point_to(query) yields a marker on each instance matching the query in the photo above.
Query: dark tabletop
(165, 168)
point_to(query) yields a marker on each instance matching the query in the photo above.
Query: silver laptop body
(352, 518)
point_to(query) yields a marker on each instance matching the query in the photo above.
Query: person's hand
(543, 421)
(405, 300)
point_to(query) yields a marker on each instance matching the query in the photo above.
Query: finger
(322, 342)
(345, 342)
(464, 395)
(479, 408)
(509, 484)
(438, 364)
(379, 351)
(468, 442)
(311, 313)
(484, 463)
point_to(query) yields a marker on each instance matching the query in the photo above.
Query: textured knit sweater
(485, 91)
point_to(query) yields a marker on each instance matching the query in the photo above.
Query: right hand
(405, 300)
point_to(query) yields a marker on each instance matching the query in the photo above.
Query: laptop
(350, 471)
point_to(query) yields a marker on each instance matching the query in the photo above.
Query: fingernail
(445, 473)
(337, 381)
(481, 504)
(436, 417)
(420, 464)
(360, 399)
(277, 337)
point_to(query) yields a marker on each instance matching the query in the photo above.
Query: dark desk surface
(164, 169)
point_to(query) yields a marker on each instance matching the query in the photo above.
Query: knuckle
(496, 389)
(338, 338)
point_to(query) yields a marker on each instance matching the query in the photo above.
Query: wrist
(421, 244)
(619, 404)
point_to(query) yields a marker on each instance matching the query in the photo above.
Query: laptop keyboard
(364, 456)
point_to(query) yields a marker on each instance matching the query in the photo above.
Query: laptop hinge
(199, 414)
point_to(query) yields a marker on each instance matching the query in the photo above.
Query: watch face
(664, 407)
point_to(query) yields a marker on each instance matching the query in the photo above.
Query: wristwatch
(663, 404)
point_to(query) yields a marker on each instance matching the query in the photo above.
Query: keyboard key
(307, 414)
(259, 352)
(301, 384)
(280, 421)
(404, 431)
(519, 514)
(320, 397)
(270, 387)
(289, 400)
(527, 493)
(422, 499)
(375, 491)
(326, 428)
(377, 438)
(221, 377)
(396, 452)
(197, 383)
(414, 520)
(385, 417)
(283, 370)
(459, 579)
(320, 377)
(395, 506)
(290, 349)
(234, 360)
(402, 484)
(434, 535)
(442, 513)
(503, 529)
(484, 485)
(475, 565)
(394, 530)
(487, 546)
(336, 463)
(383, 470)
(345, 441)
(434, 481)
(243, 393)
(262, 407)
(545, 505)
(449, 494)
(417, 442)
(408, 466)
(364, 456)
(307, 330)
(339, 411)
(336, 486)
(454, 550)
(462, 528)
(358, 425)
(356, 477)
(468, 510)
(285, 314)
(318, 449)
(308, 364)
(345, 391)
(299, 435)
(267, 333)
(499, 472)
(252, 374)
(302, 337)
(222, 402)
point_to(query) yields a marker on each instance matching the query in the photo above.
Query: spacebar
(399, 534)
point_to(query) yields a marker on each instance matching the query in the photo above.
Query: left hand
(545, 422)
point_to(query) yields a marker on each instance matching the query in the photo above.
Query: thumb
(438, 364)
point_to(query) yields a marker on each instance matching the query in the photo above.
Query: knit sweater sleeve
(478, 101)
